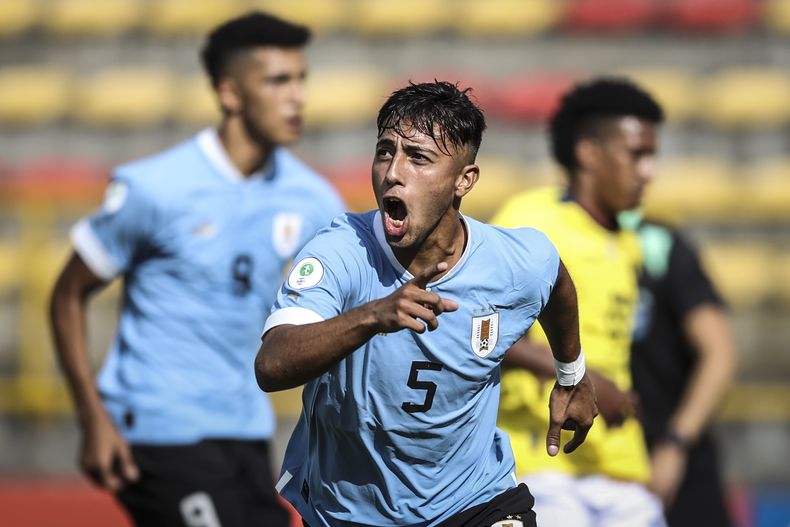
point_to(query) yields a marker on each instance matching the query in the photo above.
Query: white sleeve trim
(291, 315)
(92, 251)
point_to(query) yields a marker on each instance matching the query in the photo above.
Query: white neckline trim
(209, 143)
(378, 230)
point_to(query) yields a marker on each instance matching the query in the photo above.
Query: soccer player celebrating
(201, 234)
(397, 321)
(604, 135)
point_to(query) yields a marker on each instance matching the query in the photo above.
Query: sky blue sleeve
(543, 263)
(319, 284)
(111, 238)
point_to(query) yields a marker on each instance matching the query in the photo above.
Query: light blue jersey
(202, 251)
(403, 431)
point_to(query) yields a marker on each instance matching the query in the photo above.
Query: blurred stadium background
(86, 84)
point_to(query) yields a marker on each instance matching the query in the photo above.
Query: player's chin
(288, 133)
(399, 242)
(632, 202)
(405, 241)
(289, 137)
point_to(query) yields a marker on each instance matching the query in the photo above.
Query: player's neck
(246, 154)
(445, 244)
(585, 198)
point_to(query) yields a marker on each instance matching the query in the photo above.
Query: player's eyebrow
(412, 149)
(385, 141)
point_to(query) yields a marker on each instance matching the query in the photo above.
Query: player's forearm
(293, 355)
(68, 323)
(709, 331)
(560, 319)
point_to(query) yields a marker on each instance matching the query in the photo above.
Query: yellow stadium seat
(189, 17)
(740, 270)
(693, 188)
(746, 97)
(17, 16)
(674, 89)
(402, 18)
(343, 96)
(196, 102)
(33, 94)
(321, 16)
(89, 17)
(766, 190)
(777, 15)
(504, 18)
(126, 97)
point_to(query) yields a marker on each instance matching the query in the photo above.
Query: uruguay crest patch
(485, 332)
(286, 232)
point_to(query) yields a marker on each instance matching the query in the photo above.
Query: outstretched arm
(292, 355)
(102, 445)
(572, 405)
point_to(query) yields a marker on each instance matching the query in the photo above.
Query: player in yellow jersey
(604, 135)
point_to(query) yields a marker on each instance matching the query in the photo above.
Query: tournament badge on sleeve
(307, 273)
(114, 197)
(485, 332)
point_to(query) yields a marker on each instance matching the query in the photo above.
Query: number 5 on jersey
(428, 386)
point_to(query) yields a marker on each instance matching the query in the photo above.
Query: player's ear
(466, 180)
(587, 152)
(229, 96)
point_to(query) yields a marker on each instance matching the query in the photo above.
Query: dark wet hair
(589, 106)
(249, 31)
(429, 105)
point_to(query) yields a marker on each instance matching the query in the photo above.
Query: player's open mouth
(295, 122)
(396, 217)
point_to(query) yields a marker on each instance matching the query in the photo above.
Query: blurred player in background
(200, 234)
(683, 361)
(604, 135)
(399, 423)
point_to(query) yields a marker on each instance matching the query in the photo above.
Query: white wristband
(570, 373)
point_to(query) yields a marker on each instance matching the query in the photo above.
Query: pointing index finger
(427, 274)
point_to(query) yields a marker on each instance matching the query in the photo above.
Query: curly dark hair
(588, 106)
(240, 34)
(435, 107)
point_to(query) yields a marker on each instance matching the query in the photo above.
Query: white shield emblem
(485, 332)
(286, 232)
(509, 523)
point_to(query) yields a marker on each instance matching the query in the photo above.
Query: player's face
(271, 94)
(625, 163)
(416, 184)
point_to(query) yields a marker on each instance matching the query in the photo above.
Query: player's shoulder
(529, 208)
(347, 234)
(155, 174)
(519, 256)
(511, 239)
